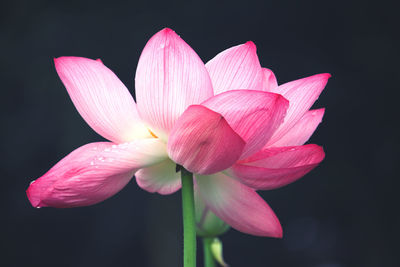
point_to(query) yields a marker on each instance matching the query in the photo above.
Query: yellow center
(152, 134)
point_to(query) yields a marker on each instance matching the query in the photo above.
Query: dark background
(343, 214)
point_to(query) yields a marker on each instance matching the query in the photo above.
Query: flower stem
(189, 228)
(208, 256)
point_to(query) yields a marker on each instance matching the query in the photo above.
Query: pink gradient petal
(170, 76)
(236, 68)
(203, 142)
(269, 81)
(302, 130)
(93, 173)
(101, 98)
(161, 178)
(238, 205)
(207, 223)
(301, 95)
(277, 167)
(254, 115)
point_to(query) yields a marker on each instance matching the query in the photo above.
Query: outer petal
(269, 81)
(170, 76)
(203, 142)
(238, 205)
(236, 68)
(101, 98)
(254, 115)
(302, 130)
(277, 167)
(207, 223)
(301, 95)
(93, 173)
(161, 178)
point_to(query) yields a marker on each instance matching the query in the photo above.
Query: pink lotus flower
(228, 122)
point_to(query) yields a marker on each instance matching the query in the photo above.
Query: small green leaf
(216, 249)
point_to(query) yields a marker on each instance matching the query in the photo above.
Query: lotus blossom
(227, 121)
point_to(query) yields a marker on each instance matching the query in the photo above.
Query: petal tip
(281, 98)
(60, 59)
(318, 152)
(167, 32)
(324, 76)
(277, 232)
(163, 39)
(251, 45)
(56, 60)
(320, 77)
(32, 197)
(318, 113)
(321, 153)
(59, 62)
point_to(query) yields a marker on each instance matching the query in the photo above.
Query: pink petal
(203, 142)
(238, 205)
(101, 98)
(302, 130)
(254, 115)
(277, 167)
(301, 95)
(170, 76)
(93, 173)
(236, 68)
(269, 81)
(161, 178)
(207, 223)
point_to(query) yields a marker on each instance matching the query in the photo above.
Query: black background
(343, 214)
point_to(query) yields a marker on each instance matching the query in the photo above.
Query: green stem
(189, 228)
(208, 256)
